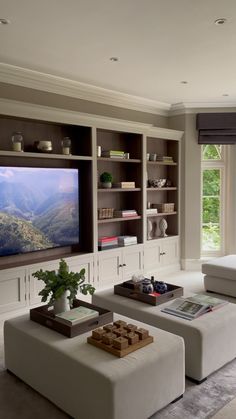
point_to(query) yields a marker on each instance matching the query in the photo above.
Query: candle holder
(17, 141)
(66, 146)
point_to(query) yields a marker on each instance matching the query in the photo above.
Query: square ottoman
(210, 340)
(89, 383)
(220, 275)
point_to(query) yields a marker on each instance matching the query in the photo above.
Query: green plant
(56, 283)
(106, 177)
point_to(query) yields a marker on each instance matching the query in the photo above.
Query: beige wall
(8, 91)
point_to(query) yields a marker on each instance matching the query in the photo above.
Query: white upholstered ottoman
(210, 340)
(89, 383)
(220, 275)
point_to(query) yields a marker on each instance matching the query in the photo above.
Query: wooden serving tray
(126, 289)
(122, 352)
(46, 318)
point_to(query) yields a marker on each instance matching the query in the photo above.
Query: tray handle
(171, 295)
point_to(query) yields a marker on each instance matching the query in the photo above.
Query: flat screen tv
(39, 209)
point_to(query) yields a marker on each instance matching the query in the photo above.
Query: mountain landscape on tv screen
(39, 209)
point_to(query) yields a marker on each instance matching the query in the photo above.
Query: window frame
(220, 164)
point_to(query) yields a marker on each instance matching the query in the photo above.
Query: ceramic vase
(149, 230)
(62, 304)
(163, 227)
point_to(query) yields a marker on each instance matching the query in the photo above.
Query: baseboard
(192, 264)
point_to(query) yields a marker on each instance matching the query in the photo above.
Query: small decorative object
(148, 156)
(126, 155)
(157, 183)
(153, 157)
(43, 146)
(163, 227)
(66, 146)
(105, 213)
(160, 286)
(137, 281)
(61, 287)
(149, 230)
(17, 141)
(120, 341)
(168, 183)
(148, 205)
(99, 151)
(147, 286)
(106, 179)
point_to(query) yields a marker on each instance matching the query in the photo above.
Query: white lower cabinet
(13, 289)
(161, 254)
(118, 265)
(19, 289)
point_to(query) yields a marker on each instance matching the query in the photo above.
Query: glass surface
(39, 209)
(212, 152)
(211, 206)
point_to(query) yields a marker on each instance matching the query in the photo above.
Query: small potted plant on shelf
(61, 287)
(106, 180)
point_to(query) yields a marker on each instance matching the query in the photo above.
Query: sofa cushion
(223, 267)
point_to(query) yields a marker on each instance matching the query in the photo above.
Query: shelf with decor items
(162, 186)
(127, 170)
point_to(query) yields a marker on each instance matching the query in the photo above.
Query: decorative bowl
(157, 183)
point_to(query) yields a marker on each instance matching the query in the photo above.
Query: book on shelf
(151, 211)
(191, 308)
(113, 153)
(165, 159)
(125, 213)
(129, 185)
(76, 315)
(127, 240)
(106, 239)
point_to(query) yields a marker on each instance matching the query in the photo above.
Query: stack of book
(76, 315)
(107, 242)
(151, 211)
(165, 159)
(113, 154)
(127, 240)
(129, 185)
(125, 213)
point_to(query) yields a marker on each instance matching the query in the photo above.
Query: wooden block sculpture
(120, 338)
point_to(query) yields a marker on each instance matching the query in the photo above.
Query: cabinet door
(13, 294)
(86, 262)
(132, 261)
(109, 267)
(170, 251)
(152, 256)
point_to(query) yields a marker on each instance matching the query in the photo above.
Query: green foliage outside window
(211, 240)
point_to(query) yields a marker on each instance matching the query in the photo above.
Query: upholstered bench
(89, 383)
(220, 275)
(210, 340)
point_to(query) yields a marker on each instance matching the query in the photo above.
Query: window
(213, 199)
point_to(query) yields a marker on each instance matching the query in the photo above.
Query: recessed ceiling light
(4, 21)
(184, 82)
(220, 21)
(114, 59)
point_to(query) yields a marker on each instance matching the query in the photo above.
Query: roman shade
(216, 128)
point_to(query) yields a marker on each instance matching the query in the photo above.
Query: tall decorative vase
(163, 227)
(149, 230)
(62, 304)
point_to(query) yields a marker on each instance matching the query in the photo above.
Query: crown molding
(45, 113)
(194, 107)
(46, 82)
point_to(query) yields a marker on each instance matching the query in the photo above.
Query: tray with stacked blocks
(120, 338)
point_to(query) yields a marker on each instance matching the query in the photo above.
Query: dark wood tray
(126, 289)
(47, 318)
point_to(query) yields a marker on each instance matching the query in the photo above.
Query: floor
(18, 401)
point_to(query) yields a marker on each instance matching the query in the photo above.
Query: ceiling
(159, 43)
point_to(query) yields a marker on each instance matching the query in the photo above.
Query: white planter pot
(62, 304)
(106, 185)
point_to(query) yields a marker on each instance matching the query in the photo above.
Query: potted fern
(62, 287)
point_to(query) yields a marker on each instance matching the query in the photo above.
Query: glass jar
(17, 141)
(66, 145)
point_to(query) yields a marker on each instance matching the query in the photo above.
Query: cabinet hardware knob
(120, 266)
(124, 264)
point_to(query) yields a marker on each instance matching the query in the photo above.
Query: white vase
(163, 227)
(62, 304)
(149, 230)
